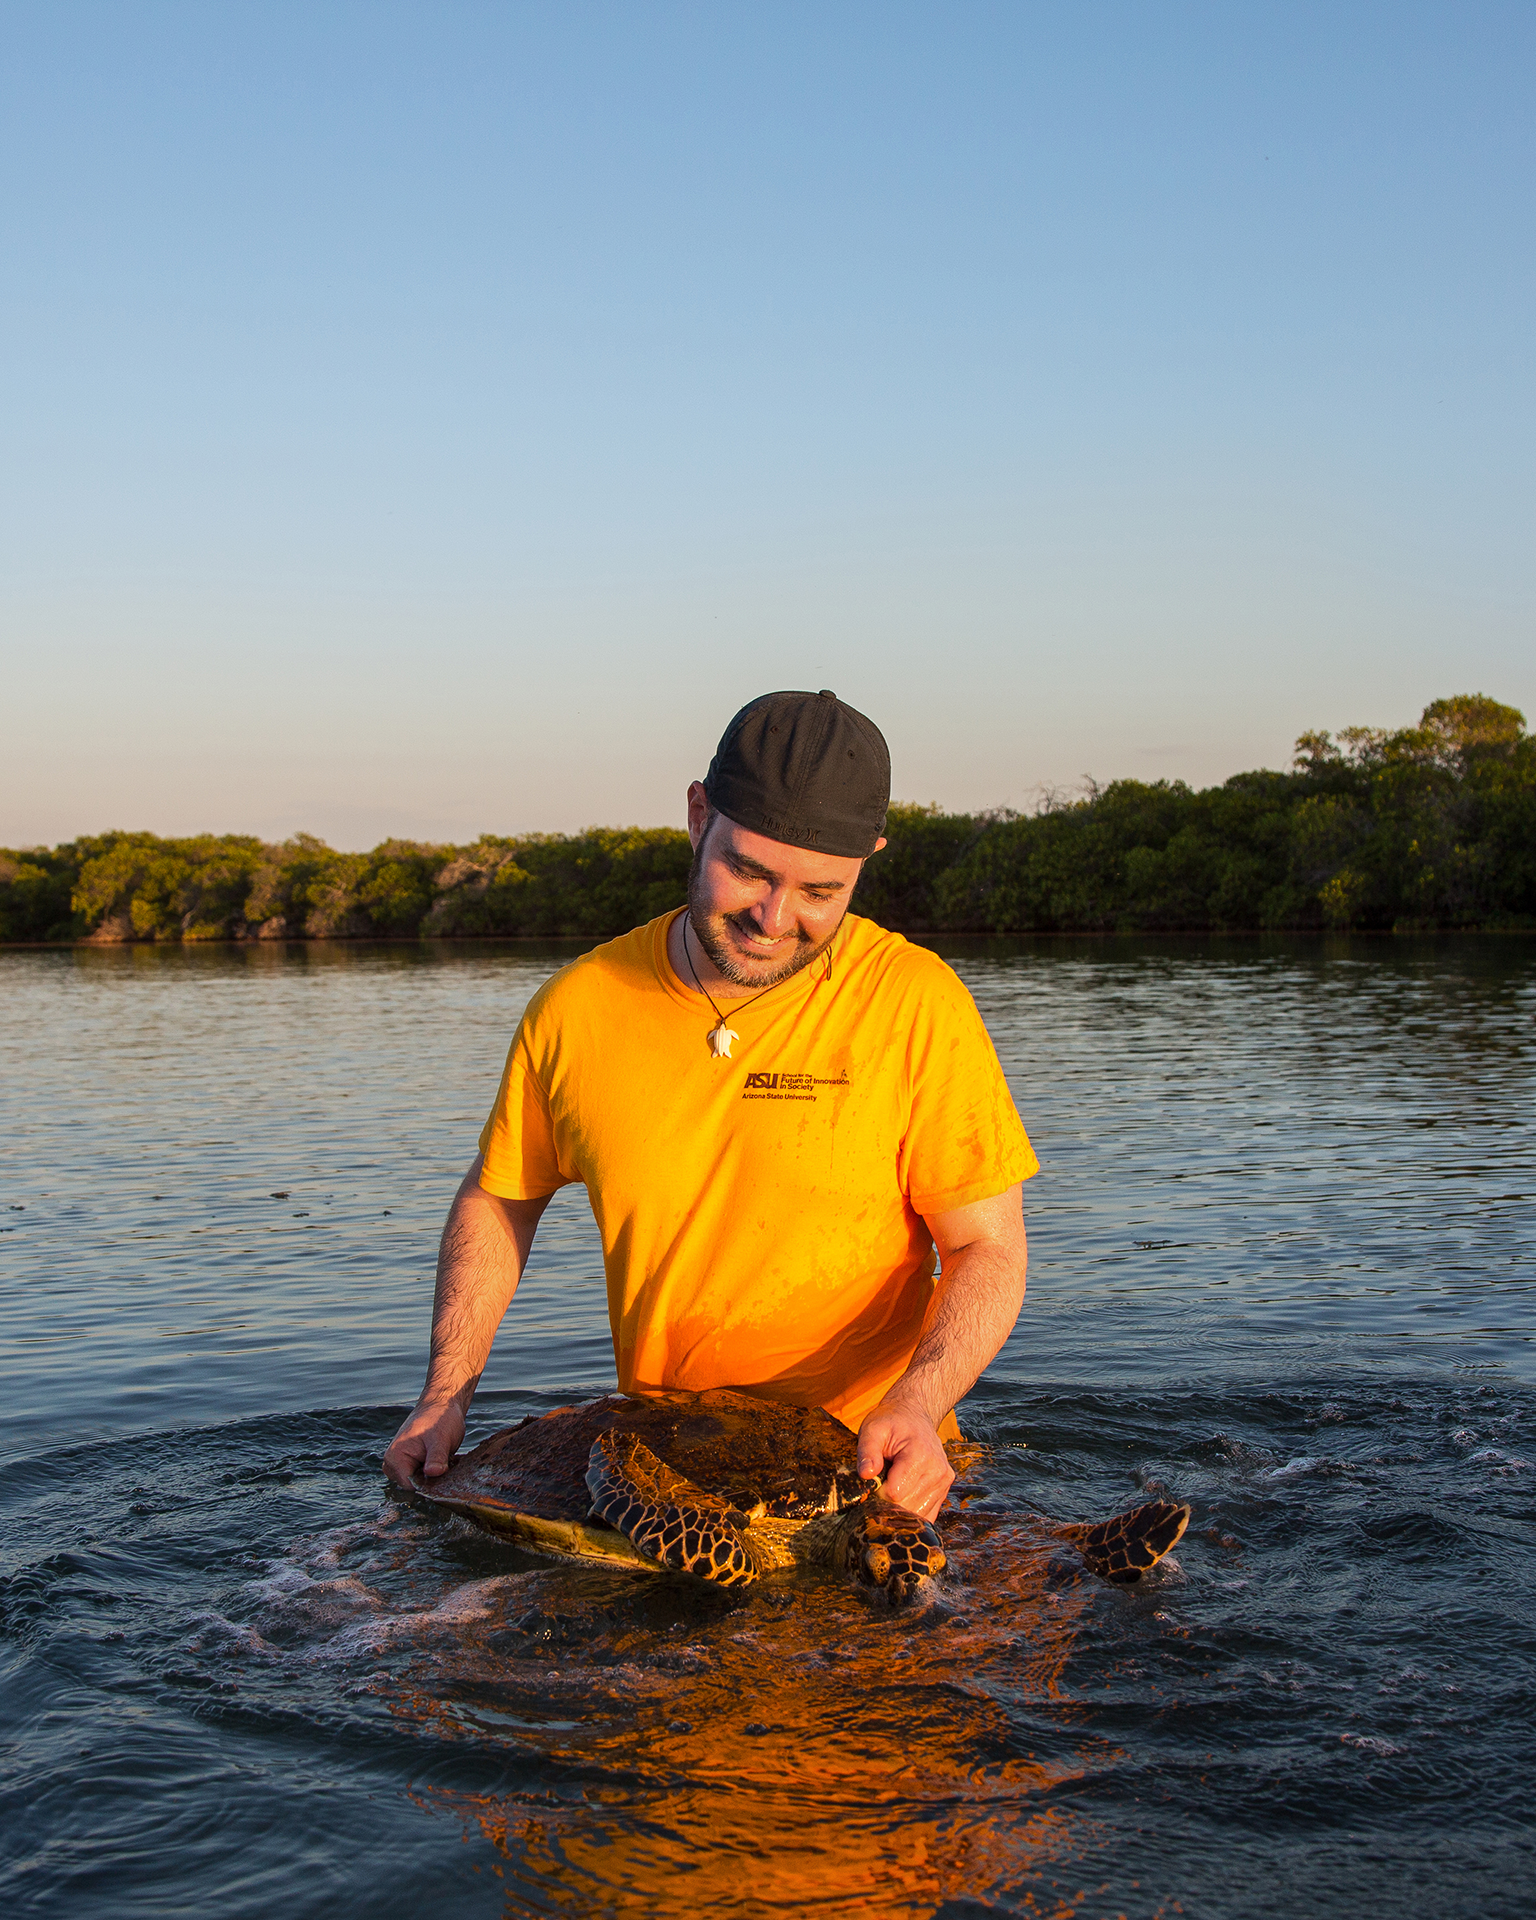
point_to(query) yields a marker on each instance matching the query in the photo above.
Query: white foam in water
(1294, 1469)
(290, 1598)
(216, 1634)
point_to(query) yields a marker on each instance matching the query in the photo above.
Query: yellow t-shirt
(761, 1216)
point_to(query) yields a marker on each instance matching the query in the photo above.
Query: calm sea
(1282, 1265)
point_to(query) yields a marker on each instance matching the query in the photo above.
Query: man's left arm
(982, 1257)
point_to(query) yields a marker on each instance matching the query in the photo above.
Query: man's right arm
(484, 1250)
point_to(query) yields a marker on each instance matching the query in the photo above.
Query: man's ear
(698, 812)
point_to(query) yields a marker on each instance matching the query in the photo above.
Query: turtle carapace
(729, 1487)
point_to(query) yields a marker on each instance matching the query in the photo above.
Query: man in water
(798, 1144)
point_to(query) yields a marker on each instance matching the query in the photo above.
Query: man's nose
(774, 914)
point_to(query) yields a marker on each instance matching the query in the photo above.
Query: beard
(709, 931)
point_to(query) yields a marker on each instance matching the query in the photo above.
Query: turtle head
(891, 1548)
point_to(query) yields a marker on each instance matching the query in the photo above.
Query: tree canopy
(1429, 826)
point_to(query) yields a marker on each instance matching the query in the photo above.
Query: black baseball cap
(804, 768)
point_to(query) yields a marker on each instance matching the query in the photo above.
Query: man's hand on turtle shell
(425, 1443)
(899, 1442)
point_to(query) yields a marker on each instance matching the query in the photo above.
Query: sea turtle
(729, 1487)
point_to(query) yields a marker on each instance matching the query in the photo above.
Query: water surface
(1280, 1266)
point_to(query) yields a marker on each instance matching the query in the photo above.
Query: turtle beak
(899, 1572)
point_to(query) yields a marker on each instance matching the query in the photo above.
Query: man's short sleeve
(965, 1141)
(522, 1161)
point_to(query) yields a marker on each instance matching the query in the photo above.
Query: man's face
(761, 910)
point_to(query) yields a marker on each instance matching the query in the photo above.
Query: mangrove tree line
(1428, 826)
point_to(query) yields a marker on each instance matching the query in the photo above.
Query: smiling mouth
(756, 942)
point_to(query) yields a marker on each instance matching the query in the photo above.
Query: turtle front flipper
(1122, 1549)
(668, 1518)
(890, 1547)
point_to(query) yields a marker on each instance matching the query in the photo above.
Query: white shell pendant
(720, 1040)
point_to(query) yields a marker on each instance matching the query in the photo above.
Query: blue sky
(434, 418)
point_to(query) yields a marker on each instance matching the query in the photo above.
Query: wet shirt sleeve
(522, 1159)
(965, 1141)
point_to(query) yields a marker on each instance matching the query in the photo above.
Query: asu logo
(762, 1079)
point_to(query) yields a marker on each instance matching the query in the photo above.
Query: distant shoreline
(939, 942)
(1430, 829)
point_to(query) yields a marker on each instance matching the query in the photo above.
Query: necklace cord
(687, 955)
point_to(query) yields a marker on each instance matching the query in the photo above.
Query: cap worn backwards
(806, 769)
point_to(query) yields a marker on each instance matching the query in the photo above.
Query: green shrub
(36, 886)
